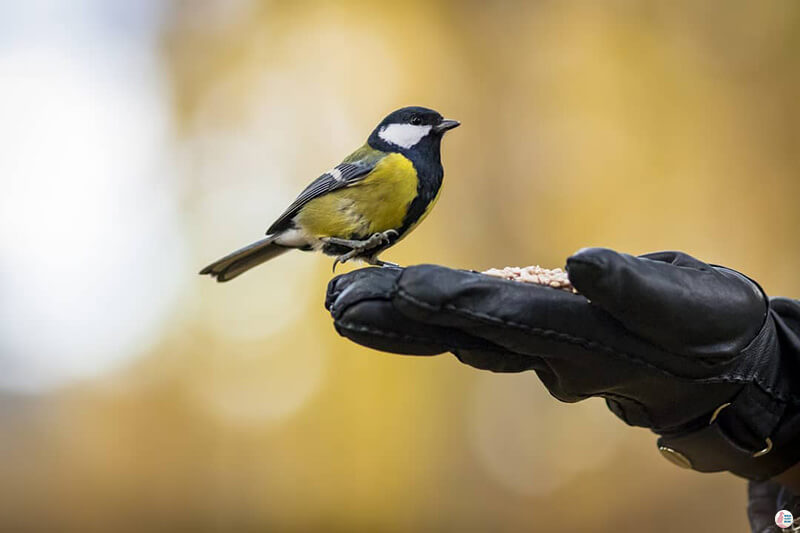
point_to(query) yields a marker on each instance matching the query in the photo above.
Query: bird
(363, 205)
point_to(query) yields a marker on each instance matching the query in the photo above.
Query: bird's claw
(386, 236)
(359, 247)
(344, 258)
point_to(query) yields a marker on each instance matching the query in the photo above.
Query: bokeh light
(517, 446)
(91, 244)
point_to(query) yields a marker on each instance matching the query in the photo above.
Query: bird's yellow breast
(376, 204)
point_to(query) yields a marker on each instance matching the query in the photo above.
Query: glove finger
(563, 328)
(672, 299)
(517, 316)
(360, 303)
(366, 283)
(496, 359)
(363, 306)
(377, 324)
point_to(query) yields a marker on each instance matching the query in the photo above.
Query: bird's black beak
(445, 125)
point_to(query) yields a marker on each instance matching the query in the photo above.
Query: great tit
(363, 205)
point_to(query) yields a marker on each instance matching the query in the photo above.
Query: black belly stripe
(429, 180)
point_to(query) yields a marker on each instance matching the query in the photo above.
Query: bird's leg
(376, 239)
(359, 247)
(374, 261)
(344, 258)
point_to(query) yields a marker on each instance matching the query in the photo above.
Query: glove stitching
(352, 326)
(571, 339)
(339, 311)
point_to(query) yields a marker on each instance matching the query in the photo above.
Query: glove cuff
(757, 433)
(754, 436)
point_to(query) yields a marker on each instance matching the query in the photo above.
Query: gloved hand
(666, 339)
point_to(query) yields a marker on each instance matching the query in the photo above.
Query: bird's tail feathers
(244, 259)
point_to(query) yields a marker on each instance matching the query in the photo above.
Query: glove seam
(759, 378)
(353, 326)
(333, 297)
(571, 339)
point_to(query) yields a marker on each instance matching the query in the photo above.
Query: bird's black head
(411, 129)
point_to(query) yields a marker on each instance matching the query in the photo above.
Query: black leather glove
(666, 339)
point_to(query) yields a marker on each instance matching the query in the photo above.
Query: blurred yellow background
(142, 139)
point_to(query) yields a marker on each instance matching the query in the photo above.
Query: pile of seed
(555, 277)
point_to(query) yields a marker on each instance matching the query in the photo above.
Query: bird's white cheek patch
(403, 135)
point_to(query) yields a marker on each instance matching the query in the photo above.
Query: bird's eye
(416, 120)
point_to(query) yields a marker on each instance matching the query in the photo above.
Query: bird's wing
(351, 171)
